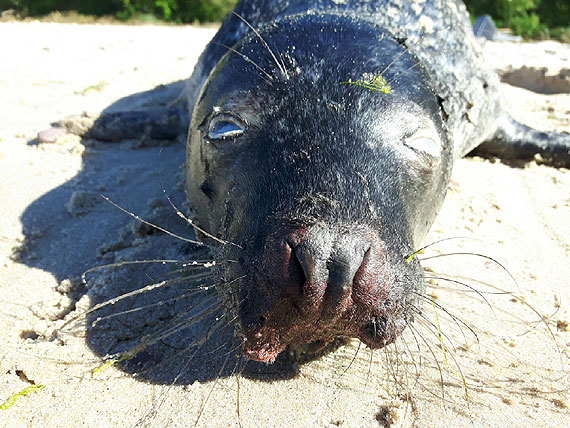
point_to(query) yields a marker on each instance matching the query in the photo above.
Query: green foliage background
(186, 11)
(179, 10)
(530, 18)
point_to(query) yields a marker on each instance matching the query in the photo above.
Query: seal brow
(280, 65)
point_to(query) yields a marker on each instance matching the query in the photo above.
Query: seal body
(320, 147)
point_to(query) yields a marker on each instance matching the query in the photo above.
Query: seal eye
(425, 145)
(225, 126)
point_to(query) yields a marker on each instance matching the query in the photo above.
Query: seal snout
(315, 284)
(328, 263)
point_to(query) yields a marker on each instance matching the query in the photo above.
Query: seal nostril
(207, 189)
(347, 265)
(341, 275)
(306, 261)
(295, 270)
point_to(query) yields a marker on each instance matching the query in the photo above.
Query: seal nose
(329, 263)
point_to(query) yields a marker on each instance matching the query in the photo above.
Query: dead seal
(321, 141)
(322, 138)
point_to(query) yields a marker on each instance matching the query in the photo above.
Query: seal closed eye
(326, 188)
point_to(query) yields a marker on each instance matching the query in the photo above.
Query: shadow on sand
(72, 229)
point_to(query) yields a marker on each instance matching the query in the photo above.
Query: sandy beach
(505, 358)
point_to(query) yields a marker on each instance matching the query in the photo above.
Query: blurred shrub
(529, 18)
(527, 25)
(179, 10)
(554, 13)
(167, 10)
(43, 7)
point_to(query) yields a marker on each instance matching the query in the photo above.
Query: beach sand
(503, 363)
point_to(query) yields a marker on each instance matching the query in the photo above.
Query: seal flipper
(514, 140)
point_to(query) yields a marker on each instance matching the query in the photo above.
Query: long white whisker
(281, 66)
(248, 59)
(190, 221)
(136, 217)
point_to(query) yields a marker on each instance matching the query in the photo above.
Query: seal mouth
(266, 342)
(317, 285)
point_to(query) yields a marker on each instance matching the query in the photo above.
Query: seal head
(317, 147)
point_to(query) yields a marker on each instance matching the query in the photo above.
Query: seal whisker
(203, 405)
(220, 326)
(181, 323)
(351, 360)
(451, 352)
(408, 364)
(169, 330)
(248, 59)
(238, 377)
(394, 365)
(188, 220)
(150, 305)
(336, 377)
(196, 352)
(113, 301)
(458, 321)
(136, 217)
(402, 73)
(189, 273)
(194, 264)
(439, 241)
(194, 276)
(418, 345)
(416, 364)
(497, 345)
(481, 294)
(464, 284)
(133, 293)
(470, 288)
(541, 319)
(435, 328)
(153, 412)
(435, 359)
(223, 345)
(484, 256)
(198, 343)
(369, 365)
(407, 48)
(281, 66)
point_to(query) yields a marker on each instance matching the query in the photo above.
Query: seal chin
(263, 346)
(315, 284)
